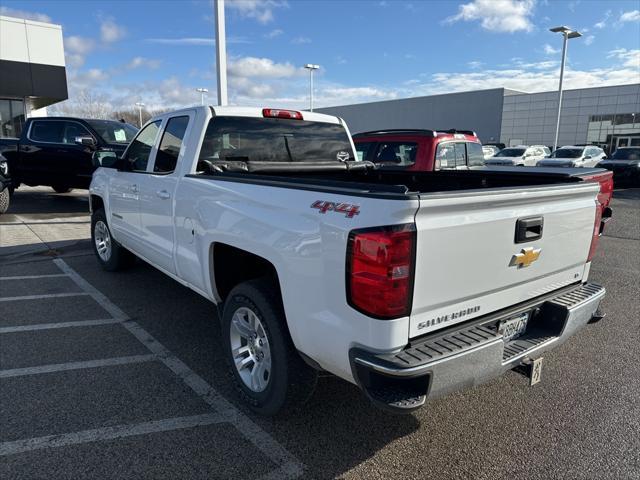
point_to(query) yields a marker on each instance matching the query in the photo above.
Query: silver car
(574, 156)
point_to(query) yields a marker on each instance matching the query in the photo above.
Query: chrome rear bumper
(472, 354)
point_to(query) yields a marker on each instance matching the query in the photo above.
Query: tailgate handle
(528, 229)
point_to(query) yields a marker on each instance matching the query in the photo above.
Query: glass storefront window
(11, 118)
(611, 131)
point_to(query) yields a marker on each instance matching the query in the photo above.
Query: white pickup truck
(407, 284)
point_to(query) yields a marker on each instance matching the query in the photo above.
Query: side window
(445, 156)
(461, 155)
(363, 149)
(170, 144)
(397, 153)
(140, 148)
(474, 154)
(73, 130)
(47, 131)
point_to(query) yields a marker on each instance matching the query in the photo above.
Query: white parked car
(489, 151)
(574, 156)
(517, 156)
(407, 284)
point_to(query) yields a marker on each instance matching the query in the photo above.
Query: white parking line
(38, 297)
(108, 433)
(289, 466)
(61, 367)
(31, 277)
(49, 326)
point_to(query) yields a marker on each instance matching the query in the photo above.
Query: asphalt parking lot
(107, 375)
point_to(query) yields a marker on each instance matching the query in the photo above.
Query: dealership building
(32, 71)
(605, 116)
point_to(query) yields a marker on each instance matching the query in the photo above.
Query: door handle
(163, 194)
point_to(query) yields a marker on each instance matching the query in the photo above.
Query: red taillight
(603, 212)
(273, 113)
(597, 229)
(605, 179)
(380, 267)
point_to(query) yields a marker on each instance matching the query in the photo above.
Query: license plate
(513, 327)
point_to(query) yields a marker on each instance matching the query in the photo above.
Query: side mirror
(106, 159)
(85, 141)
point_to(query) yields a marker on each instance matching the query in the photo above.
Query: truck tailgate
(467, 256)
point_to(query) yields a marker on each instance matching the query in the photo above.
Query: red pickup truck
(420, 150)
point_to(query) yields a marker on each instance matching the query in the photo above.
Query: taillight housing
(275, 113)
(597, 231)
(603, 212)
(380, 270)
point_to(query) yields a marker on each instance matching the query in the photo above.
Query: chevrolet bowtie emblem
(526, 257)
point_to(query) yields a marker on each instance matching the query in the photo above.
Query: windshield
(113, 132)
(510, 152)
(567, 153)
(275, 140)
(626, 154)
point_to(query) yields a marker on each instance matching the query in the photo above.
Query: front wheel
(111, 255)
(269, 374)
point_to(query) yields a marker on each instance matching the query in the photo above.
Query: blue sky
(120, 52)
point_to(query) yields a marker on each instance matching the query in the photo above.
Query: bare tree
(84, 104)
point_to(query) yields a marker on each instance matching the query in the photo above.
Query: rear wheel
(4, 200)
(61, 189)
(111, 255)
(269, 374)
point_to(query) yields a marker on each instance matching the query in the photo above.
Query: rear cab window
(274, 140)
(402, 154)
(475, 156)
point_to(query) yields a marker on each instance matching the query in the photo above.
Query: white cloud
(475, 64)
(631, 16)
(194, 41)
(301, 40)
(139, 62)
(260, 10)
(274, 33)
(79, 45)
(588, 40)
(111, 32)
(261, 67)
(13, 12)
(603, 23)
(629, 58)
(497, 15)
(77, 48)
(549, 50)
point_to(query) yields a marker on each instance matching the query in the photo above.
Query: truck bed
(379, 183)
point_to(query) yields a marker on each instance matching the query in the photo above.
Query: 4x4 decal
(348, 209)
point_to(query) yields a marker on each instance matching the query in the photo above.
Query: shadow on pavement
(48, 204)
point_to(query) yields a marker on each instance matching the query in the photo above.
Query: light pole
(567, 33)
(221, 52)
(139, 105)
(311, 67)
(202, 92)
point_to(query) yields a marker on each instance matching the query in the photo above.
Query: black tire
(61, 189)
(119, 257)
(5, 196)
(291, 381)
